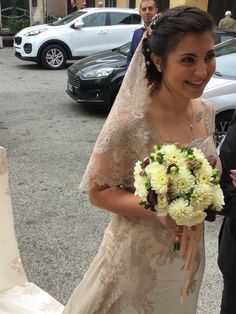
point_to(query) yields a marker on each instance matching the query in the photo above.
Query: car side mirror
(78, 24)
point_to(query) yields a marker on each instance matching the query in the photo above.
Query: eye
(209, 57)
(187, 60)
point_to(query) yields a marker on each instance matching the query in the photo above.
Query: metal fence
(14, 14)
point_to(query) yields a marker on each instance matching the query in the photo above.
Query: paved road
(49, 138)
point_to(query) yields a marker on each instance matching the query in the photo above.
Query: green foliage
(16, 25)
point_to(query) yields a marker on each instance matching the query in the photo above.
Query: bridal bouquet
(180, 182)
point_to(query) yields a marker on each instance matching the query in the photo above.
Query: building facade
(41, 11)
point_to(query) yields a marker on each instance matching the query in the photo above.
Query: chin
(197, 92)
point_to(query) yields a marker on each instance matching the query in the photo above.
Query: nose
(201, 69)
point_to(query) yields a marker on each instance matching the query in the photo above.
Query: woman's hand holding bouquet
(179, 182)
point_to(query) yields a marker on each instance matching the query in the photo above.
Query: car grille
(73, 80)
(18, 40)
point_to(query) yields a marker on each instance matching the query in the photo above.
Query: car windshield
(68, 18)
(226, 58)
(125, 48)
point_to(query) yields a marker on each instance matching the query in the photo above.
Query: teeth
(196, 82)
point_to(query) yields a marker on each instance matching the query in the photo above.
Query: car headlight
(98, 73)
(35, 32)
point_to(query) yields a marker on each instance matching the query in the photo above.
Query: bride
(136, 270)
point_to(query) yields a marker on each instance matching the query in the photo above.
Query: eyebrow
(194, 55)
(149, 7)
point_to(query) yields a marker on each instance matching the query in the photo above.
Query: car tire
(53, 57)
(222, 123)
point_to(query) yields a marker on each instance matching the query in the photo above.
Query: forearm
(119, 201)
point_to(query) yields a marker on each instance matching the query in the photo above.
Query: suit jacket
(227, 239)
(137, 36)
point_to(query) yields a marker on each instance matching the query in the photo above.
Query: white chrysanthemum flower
(203, 196)
(198, 154)
(204, 173)
(158, 178)
(173, 154)
(218, 198)
(182, 182)
(184, 215)
(197, 218)
(181, 211)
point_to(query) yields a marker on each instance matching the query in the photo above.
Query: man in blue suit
(147, 10)
(227, 247)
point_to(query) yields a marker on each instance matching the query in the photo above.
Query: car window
(95, 19)
(119, 18)
(226, 49)
(225, 37)
(225, 65)
(68, 18)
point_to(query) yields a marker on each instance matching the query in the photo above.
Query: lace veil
(124, 137)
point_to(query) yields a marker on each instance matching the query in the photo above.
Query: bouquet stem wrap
(189, 249)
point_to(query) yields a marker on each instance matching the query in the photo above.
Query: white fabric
(17, 295)
(28, 299)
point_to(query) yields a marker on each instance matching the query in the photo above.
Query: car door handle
(102, 32)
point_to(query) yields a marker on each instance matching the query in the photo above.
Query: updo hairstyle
(167, 30)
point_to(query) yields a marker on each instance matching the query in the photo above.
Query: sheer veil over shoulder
(124, 134)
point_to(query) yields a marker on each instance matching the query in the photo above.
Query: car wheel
(53, 57)
(222, 123)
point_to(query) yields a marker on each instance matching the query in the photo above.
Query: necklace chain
(191, 123)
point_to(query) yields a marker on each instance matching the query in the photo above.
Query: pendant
(191, 126)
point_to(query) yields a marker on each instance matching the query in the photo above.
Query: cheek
(212, 67)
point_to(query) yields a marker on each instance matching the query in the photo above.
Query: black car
(96, 79)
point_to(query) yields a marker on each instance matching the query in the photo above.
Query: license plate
(70, 87)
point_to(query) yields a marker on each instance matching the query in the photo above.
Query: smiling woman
(136, 270)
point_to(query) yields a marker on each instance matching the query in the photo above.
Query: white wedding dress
(17, 294)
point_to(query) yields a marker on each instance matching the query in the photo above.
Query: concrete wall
(59, 7)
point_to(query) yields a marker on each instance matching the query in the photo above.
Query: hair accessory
(155, 19)
(147, 50)
(147, 62)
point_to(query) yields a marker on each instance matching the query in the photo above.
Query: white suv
(76, 35)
